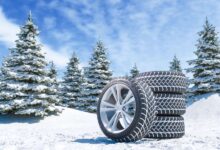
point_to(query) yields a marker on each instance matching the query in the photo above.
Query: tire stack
(159, 103)
(168, 88)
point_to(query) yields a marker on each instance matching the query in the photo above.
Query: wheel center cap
(119, 107)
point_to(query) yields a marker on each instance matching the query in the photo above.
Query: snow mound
(207, 108)
(79, 130)
(53, 132)
(203, 118)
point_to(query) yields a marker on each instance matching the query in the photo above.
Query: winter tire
(126, 110)
(164, 81)
(167, 127)
(170, 104)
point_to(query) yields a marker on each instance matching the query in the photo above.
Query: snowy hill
(79, 130)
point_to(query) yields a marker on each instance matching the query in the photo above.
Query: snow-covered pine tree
(52, 74)
(52, 71)
(175, 65)
(25, 77)
(83, 104)
(1, 76)
(126, 75)
(97, 75)
(70, 88)
(5, 106)
(206, 67)
(134, 71)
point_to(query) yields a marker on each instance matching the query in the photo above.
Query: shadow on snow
(105, 140)
(7, 119)
(99, 140)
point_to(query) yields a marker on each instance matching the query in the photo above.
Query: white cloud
(8, 31)
(59, 58)
(114, 2)
(148, 33)
(134, 38)
(61, 35)
(49, 22)
(125, 48)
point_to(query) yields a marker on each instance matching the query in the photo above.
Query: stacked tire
(149, 105)
(169, 89)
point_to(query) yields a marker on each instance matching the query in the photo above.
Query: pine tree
(52, 71)
(1, 78)
(97, 76)
(126, 75)
(52, 74)
(175, 65)
(134, 71)
(206, 67)
(83, 103)
(71, 86)
(25, 78)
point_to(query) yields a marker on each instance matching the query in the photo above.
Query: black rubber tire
(144, 115)
(164, 81)
(170, 104)
(167, 127)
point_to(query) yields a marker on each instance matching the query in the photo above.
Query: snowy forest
(29, 84)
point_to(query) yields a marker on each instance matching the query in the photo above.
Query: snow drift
(203, 116)
(79, 130)
(205, 109)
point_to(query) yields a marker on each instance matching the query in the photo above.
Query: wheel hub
(119, 108)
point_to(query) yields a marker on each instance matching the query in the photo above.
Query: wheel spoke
(128, 96)
(118, 88)
(105, 109)
(124, 122)
(114, 126)
(130, 101)
(127, 117)
(111, 120)
(114, 94)
(104, 103)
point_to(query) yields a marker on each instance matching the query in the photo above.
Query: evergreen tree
(134, 71)
(83, 103)
(52, 71)
(206, 67)
(1, 76)
(175, 65)
(70, 90)
(52, 74)
(97, 75)
(126, 75)
(25, 78)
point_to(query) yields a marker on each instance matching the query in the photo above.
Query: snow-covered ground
(79, 130)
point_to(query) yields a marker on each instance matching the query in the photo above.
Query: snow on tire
(126, 110)
(164, 81)
(167, 127)
(170, 104)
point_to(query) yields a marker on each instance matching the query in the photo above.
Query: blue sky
(148, 33)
